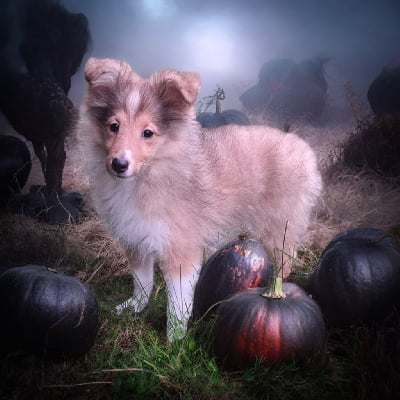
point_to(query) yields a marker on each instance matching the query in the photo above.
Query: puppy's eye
(147, 133)
(114, 127)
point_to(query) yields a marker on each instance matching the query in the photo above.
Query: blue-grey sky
(228, 40)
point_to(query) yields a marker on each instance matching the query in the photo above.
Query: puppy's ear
(176, 87)
(105, 70)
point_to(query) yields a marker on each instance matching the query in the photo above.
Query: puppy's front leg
(143, 280)
(180, 290)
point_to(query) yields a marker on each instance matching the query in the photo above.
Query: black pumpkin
(46, 313)
(69, 206)
(250, 327)
(220, 118)
(226, 117)
(357, 279)
(384, 92)
(239, 265)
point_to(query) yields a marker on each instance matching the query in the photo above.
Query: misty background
(227, 41)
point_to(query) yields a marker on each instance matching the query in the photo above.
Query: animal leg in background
(40, 151)
(56, 156)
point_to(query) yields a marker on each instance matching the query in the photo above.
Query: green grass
(131, 358)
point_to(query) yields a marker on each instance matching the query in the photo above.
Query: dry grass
(354, 195)
(374, 145)
(98, 249)
(355, 198)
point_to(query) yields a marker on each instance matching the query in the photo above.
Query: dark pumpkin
(384, 92)
(239, 265)
(46, 313)
(357, 279)
(226, 117)
(251, 327)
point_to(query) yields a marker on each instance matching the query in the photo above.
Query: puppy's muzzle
(119, 165)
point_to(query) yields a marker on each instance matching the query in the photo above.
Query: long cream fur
(184, 189)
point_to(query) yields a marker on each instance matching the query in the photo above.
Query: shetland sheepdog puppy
(168, 190)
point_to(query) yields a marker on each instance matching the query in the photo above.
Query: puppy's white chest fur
(118, 206)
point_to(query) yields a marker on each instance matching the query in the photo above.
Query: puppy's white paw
(176, 329)
(136, 304)
(125, 304)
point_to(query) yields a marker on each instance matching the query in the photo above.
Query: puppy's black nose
(119, 165)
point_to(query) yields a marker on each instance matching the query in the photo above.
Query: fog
(227, 41)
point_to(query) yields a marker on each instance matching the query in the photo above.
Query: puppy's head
(138, 120)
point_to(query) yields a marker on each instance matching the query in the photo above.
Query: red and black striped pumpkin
(251, 326)
(239, 265)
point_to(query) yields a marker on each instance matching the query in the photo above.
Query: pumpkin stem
(244, 236)
(276, 289)
(217, 107)
(219, 95)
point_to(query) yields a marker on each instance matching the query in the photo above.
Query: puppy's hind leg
(143, 281)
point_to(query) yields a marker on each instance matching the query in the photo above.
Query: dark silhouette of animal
(40, 56)
(38, 109)
(288, 92)
(384, 92)
(15, 166)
